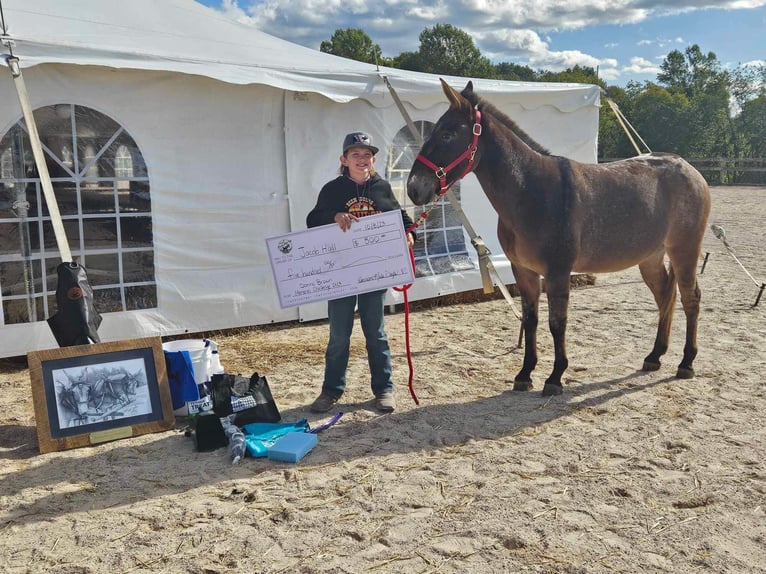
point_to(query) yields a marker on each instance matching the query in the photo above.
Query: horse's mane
(487, 108)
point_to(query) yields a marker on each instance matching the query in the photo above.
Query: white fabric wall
(215, 157)
(230, 165)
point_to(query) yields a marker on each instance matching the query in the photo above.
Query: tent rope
(624, 123)
(719, 232)
(39, 157)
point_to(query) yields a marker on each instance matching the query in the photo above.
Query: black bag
(208, 433)
(250, 399)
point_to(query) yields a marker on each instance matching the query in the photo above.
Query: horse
(117, 387)
(74, 398)
(557, 216)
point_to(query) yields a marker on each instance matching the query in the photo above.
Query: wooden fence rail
(726, 170)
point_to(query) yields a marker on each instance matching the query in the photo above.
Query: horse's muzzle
(421, 188)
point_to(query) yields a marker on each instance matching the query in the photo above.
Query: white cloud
(641, 66)
(518, 31)
(661, 42)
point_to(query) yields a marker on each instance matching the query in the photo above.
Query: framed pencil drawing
(90, 394)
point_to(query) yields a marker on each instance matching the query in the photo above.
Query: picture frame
(90, 394)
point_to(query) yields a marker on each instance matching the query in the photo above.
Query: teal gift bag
(260, 436)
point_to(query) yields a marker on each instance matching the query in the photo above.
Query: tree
(514, 72)
(612, 140)
(748, 87)
(674, 72)
(575, 75)
(445, 49)
(662, 119)
(752, 126)
(408, 61)
(355, 44)
(705, 85)
(690, 72)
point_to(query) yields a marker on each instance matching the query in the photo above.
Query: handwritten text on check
(325, 262)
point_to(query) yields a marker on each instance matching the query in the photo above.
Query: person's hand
(344, 220)
(410, 240)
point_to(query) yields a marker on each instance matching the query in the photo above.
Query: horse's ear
(456, 100)
(468, 90)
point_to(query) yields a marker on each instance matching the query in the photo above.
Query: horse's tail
(669, 296)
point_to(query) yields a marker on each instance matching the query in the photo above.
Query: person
(358, 191)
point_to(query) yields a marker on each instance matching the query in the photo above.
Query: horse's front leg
(557, 290)
(528, 283)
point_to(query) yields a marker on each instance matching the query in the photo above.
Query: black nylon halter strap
(442, 172)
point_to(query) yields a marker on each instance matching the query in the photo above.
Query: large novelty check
(325, 262)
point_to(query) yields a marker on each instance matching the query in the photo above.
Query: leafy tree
(445, 49)
(355, 44)
(690, 72)
(662, 119)
(408, 61)
(612, 140)
(747, 82)
(674, 72)
(699, 77)
(748, 88)
(575, 75)
(514, 72)
(751, 124)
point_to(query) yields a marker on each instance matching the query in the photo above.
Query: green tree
(749, 92)
(355, 44)
(662, 119)
(408, 61)
(752, 126)
(699, 77)
(575, 75)
(514, 72)
(674, 72)
(445, 49)
(612, 140)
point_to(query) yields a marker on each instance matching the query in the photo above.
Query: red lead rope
(441, 174)
(403, 289)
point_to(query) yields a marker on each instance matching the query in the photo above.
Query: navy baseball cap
(358, 139)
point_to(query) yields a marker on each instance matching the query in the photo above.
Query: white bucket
(199, 353)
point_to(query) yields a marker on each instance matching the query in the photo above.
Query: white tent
(229, 133)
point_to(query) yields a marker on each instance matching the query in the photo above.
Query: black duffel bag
(250, 399)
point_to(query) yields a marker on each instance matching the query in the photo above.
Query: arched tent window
(440, 247)
(123, 167)
(6, 166)
(103, 192)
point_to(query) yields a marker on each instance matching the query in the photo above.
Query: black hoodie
(344, 195)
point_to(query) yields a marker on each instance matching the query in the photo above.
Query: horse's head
(78, 398)
(448, 152)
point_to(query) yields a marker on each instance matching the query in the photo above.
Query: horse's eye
(445, 136)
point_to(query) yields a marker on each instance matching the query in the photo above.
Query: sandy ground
(625, 472)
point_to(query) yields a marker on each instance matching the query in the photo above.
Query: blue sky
(626, 40)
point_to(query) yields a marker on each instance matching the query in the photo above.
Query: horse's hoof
(685, 373)
(552, 389)
(522, 385)
(650, 366)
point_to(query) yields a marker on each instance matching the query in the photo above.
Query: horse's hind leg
(557, 290)
(685, 264)
(662, 284)
(528, 283)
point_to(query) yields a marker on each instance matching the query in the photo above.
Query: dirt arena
(625, 472)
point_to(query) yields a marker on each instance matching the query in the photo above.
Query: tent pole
(485, 263)
(42, 167)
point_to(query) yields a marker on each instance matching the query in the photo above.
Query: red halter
(442, 172)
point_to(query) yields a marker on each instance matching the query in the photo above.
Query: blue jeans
(341, 315)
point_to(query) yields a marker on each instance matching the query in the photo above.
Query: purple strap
(327, 425)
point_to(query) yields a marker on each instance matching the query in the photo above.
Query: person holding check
(358, 191)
